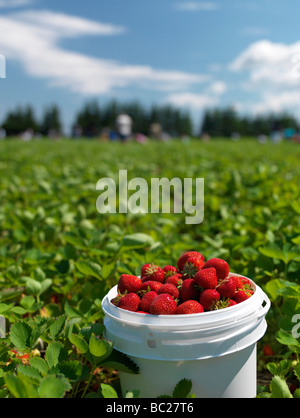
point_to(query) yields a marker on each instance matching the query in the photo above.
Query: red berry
(246, 281)
(209, 298)
(150, 285)
(147, 300)
(170, 289)
(129, 283)
(220, 265)
(238, 282)
(191, 267)
(223, 303)
(189, 307)
(154, 272)
(242, 295)
(129, 302)
(176, 280)
(207, 278)
(115, 300)
(183, 258)
(189, 290)
(227, 288)
(163, 305)
(144, 268)
(169, 271)
(268, 351)
(142, 312)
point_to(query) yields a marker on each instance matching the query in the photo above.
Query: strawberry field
(59, 256)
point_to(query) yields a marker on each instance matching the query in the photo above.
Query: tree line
(226, 122)
(93, 119)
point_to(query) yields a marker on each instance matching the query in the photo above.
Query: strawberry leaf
(279, 388)
(20, 335)
(182, 389)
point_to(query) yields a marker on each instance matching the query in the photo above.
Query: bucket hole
(151, 343)
(264, 303)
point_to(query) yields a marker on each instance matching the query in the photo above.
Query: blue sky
(191, 54)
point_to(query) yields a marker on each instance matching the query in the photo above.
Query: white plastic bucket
(216, 350)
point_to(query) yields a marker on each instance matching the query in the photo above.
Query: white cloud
(62, 25)
(218, 87)
(14, 3)
(192, 100)
(268, 64)
(191, 6)
(37, 49)
(289, 100)
(210, 96)
(272, 72)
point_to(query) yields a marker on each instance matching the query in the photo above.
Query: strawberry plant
(70, 365)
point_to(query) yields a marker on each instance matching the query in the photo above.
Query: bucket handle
(264, 309)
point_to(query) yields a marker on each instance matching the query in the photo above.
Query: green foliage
(278, 385)
(59, 256)
(182, 390)
(68, 366)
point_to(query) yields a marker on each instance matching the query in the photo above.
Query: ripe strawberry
(129, 302)
(146, 301)
(242, 295)
(227, 287)
(129, 283)
(169, 271)
(246, 281)
(23, 357)
(150, 285)
(154, 272)
(268, 350)
(238, 282)
(115, 300)
(170, 289)
(54, 299)
(208, 299)
(207, 278)
(163, 305)
(224, 303)
(191, 267)
(183, 258)
(189, 307)
(176, 280)
(220, 265)
(144, 268)
(142, 312)
(189, 290)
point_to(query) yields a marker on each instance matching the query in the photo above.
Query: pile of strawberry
(194, 286)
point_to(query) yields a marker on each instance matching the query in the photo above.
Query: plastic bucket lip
(241, 310)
